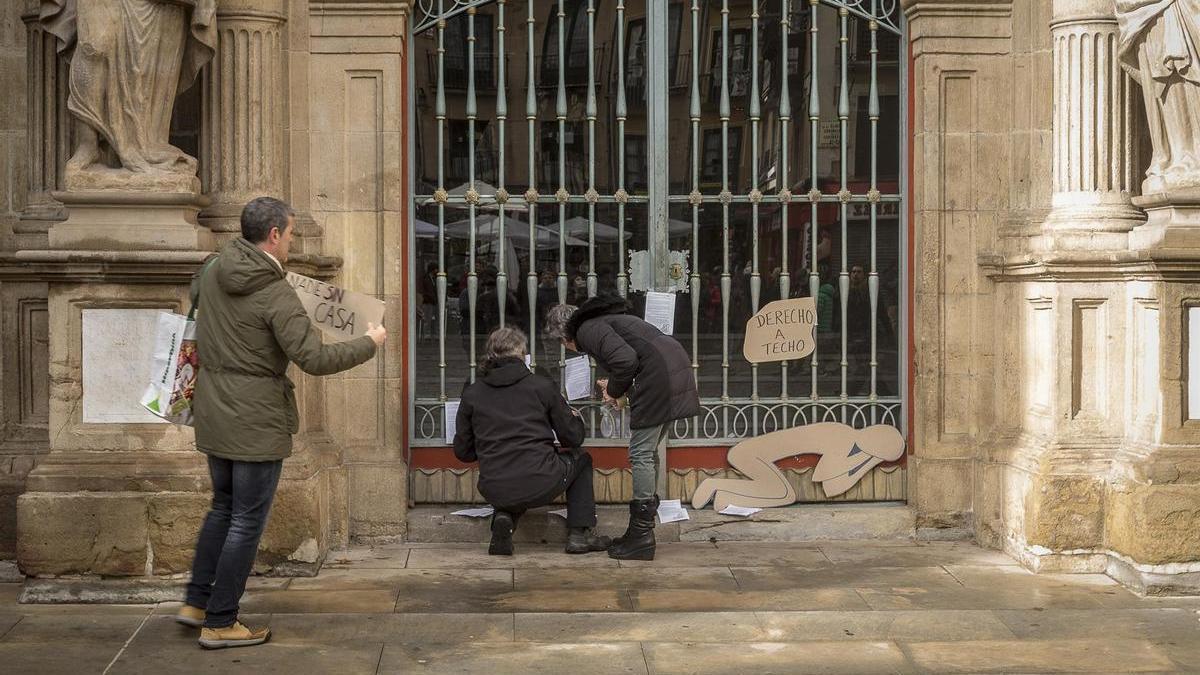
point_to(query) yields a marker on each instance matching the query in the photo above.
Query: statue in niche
(129, 60)
(1160, 47)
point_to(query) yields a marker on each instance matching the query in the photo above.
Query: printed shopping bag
(175, 365)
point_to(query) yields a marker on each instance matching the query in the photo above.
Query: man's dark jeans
(576, 482)
(242, 494)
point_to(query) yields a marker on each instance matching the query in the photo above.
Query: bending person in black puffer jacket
(507, 421)
(654, 373)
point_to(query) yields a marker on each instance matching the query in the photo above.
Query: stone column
(1093, 134)
(242, 140)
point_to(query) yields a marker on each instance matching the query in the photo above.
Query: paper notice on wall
(578, 378)
(660, 311)
(450, 421)
(339, 313)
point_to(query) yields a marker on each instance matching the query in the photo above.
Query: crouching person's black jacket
(506, 421)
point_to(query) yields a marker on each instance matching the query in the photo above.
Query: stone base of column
(120, 220)
(1172, 230)
(137, 515)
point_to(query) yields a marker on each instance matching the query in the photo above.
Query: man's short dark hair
(262, 215)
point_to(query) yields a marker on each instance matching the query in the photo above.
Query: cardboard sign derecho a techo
(782, 330)
(339, 313)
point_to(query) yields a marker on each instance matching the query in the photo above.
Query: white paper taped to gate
(660, 311)
(339, 313)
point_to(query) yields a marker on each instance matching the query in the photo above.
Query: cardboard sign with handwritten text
(338, 312)
(782, 330)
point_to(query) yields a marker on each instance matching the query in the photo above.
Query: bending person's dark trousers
(228, 541)
(576, 482)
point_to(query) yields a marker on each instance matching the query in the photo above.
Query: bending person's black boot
(503, 525)
(617, 540)
(638, 541)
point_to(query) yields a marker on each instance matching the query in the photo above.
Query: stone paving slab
(1088, 655)
(475, 556)
(63, 656)
(186, 658)
(849, 576)
(1156, 623)
(516, 658)
(930, 626)
(48, 628)
(735, 553)
(911, 554)
(321, 602)
(563, 600)
(392, 628)
(692, 578)
(775, 658)
(637, 627)
(687, 600)
(411, 580)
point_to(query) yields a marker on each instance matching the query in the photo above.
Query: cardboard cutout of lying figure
(847, 454)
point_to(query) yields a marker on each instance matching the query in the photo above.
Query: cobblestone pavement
(842, 607)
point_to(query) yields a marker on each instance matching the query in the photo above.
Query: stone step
(801, 522)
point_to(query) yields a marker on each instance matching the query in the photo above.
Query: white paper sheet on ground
(660, 311)
(561, 513)
(480, 512)
(670, 511)
(450, 421)
(732, 510)
(578, 378)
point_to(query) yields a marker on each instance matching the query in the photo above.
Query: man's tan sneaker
(190, 616)
(236, 635)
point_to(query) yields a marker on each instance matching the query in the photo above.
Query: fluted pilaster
(49, 126)
(242, 142)
(1093, 127)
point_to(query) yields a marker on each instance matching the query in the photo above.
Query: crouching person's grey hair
(557, 319)
(505, 343)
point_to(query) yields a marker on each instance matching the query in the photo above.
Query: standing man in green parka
(250, 326)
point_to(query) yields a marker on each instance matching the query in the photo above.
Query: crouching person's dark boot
(582, 540)
(638, 541)
(502, 531)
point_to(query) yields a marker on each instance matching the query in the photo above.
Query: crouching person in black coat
(507, 420)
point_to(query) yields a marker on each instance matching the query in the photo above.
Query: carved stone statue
(1160, 47)
(129, 60)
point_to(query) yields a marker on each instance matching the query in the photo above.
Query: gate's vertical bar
(531, 195)
(814, 192)
(695, 200)
(621, 195)
(440, 199)
(844, 192)
(657, 88)
(755, 193)
(501, 84)
(873, 198)
(561, 194)
(725, 200)
(591, 118)
(472, 196)
(785, 193)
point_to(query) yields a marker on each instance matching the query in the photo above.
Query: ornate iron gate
(734, 152)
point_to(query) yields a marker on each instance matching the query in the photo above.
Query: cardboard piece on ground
(782, 330)
(847, 454)
(339, 313)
